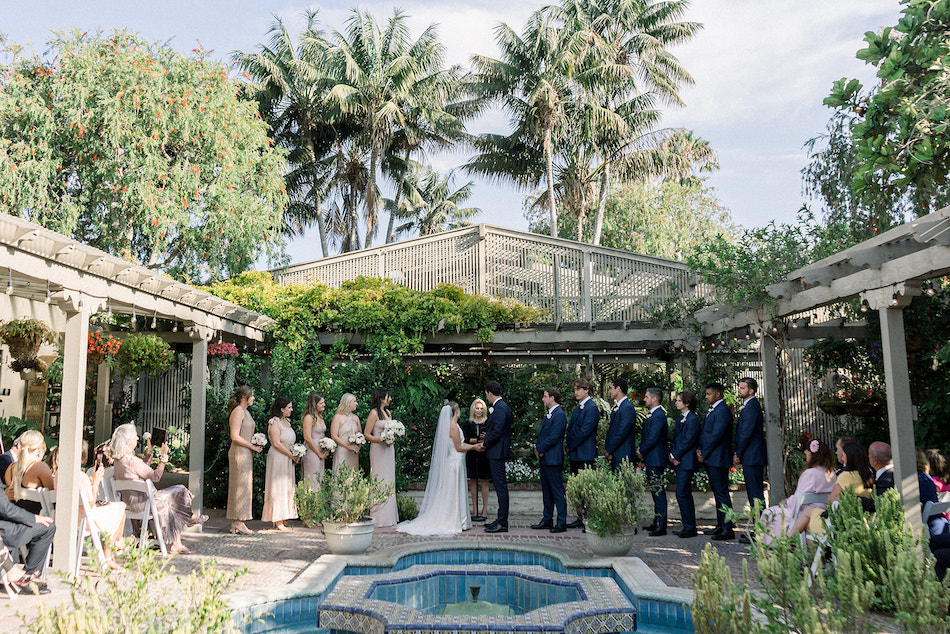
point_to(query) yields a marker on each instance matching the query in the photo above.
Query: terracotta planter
(611, 545)
(349, 538)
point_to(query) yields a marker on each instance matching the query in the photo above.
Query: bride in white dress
(444, 508)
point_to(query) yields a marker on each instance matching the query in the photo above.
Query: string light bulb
(154, 320)
(10, 282)
(48, 296)
(175, 328)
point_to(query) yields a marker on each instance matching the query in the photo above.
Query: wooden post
(103, 406)
(773, 422)
(196, 451)
(587, 275)
(890, 303)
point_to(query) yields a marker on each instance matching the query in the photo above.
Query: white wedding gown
(444, 509)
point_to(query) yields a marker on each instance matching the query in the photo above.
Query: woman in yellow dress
(856, 475)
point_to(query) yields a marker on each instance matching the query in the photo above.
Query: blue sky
(761, 67)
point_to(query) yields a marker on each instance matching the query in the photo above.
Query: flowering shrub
(518, 471)
(222, 349)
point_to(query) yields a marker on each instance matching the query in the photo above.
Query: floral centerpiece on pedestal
(101, 347)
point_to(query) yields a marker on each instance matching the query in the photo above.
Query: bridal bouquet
(259, 439)
(327, 444)
(388, 436)
(397, 428)
(298, 449)
(356, 439)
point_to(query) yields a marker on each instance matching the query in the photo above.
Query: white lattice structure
(569, 281)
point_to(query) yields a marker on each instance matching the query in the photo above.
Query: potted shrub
(342, 503)
(24, 337)
(610, 503)
(143, 353)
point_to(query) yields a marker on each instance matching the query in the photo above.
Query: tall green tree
(901, 128)
(142, 152)
(433, 203)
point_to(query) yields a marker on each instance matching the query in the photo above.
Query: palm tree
(289, 83)
(431, 205)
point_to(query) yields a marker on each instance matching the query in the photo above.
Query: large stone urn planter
(611, 545)
(352, 538)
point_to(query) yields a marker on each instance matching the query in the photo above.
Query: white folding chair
(931, 509)
(148, 513)
(106, 491)
(42, 497)
(944, 497)
(87, 529)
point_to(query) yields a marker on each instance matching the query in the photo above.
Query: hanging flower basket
(222, 350)
(100, 348)
(863, 410)
(144, 353)
(833, 406)
(24, 337)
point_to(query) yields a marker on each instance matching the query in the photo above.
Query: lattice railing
(569, 281)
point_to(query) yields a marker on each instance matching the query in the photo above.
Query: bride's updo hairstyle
(454, 406)
(239, 395)
(344, 407)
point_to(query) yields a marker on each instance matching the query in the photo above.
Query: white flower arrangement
(327, 444)
(298, 449)
(388, 436)
(259, 439)
(518, 471)
(397, 428)
(147, 436)
(357, 439)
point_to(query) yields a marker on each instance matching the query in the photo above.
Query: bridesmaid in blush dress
(279, 480)
(382, 456)
(344, 424)
(314, 430)
(241, 460)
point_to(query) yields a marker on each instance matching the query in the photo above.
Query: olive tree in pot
(342, 502)
(610, 502)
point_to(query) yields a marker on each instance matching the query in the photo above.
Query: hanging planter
(23, 337)
(143, 353)
(833, 406)
(221, 364)
(101, 348)
(863, 410)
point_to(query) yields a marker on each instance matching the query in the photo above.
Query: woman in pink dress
(382, 455)
(818, 477)
(174, 502)
(344, 425)
(279, 477)
(314, 430)
(241, 460)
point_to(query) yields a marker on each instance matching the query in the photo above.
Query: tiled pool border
(296, 605)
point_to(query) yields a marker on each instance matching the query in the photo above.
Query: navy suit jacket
(6, 459)
(622, 432)
(685, 441)
(16, 524)
(715, 439)
(498, 432)
(750, 435)
(551, 438)
(582, 432)
(653, 443)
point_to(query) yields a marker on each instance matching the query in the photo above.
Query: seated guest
(839, 444)
(818, 477)
(856, 475)
(29, 471)
(174, 502)
(19, 527)
(939, 470)
(9, 456)
(879, 455)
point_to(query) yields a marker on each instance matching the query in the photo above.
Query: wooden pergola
(63, 282)
(886, 273)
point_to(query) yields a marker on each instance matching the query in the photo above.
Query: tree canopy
(139, 151)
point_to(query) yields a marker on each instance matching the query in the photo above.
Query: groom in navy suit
(582, 434)
(750, 441)
(550, 451)
(497, 448)
(715, 445)
(623, 425)
(652, 451)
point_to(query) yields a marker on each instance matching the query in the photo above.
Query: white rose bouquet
(327, 444)
(357, 439)
(298, 449)
(397, 428)
(388, 436)
(259, 439)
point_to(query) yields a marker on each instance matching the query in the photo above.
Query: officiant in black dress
(476, 462)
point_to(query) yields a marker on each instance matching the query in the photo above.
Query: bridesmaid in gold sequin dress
(344, 424)
(382, 456)
(241, 460)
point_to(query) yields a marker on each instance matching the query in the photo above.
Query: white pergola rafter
(67, 282)
(886, 273)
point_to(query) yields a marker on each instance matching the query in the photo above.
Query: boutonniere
(616, 408)
(548, 415)
(582, 407)
(491, 410)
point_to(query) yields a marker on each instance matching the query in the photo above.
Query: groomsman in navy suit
(497, 448)
(683, 457)
(582, 434)
(715, 451)
(653, 452)
(750, 442)
(550, 451)
(623, 425)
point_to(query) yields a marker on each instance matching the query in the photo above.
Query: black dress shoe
(560, 528)
(578, 523)
(686, 534)
(724, 536)
(492, 523)
(479, 518)
(650, 528)
(30, 586)
(497, 528)
(659, 532)
(542, 524)
(714, 531)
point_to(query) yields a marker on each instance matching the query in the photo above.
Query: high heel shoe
(240, 531)
(6, 565)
